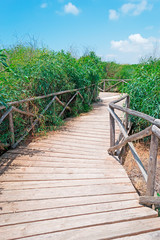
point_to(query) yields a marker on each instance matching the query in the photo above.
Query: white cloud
(71, 9)
(133, 48)
(135, 44)
(44, 5)
(113, 15)
(132, 9)
(126, 8)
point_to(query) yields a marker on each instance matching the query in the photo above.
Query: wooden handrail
(144, 133)
(118, 81)
(153, 130)
(133, 150)
(44, 96)
(54, 96)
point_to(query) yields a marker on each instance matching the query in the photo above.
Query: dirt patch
(133, 170)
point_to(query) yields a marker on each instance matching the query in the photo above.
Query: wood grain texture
(66, 186)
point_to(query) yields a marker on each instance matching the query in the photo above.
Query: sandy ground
(133, 170)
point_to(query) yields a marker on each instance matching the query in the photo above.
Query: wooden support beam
(133, 150)
(62, 104)
(112, 130)
(27, 130)
(126, 117)
(23, 112)
(156, 131)
(112, 86)
(6, 114)
(11, 126)
(68, 104)
(104, 86)
(100, 89)
(152, 165)
(149, 201)
(144, 133)
(81, 96)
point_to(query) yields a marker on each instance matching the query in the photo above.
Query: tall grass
(144, 91)
(31, 71)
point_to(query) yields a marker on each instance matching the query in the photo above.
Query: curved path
(66, 186)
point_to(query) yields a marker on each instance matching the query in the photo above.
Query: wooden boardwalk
(66, 187)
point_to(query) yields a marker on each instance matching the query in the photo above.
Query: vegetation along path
(66, 186)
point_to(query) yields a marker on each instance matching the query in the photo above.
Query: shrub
(144, 91)
(34, 72)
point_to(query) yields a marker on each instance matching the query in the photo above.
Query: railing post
(94, 93)
(112, 130)
(127, 106)
(152, 165)
(11, 126)
(104, 86)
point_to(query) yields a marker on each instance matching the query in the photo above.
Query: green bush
(144, 91)
(36, 72)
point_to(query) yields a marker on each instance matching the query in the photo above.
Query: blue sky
(119, 30)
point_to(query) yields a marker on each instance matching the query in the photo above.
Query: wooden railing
(35, 116)
(117, 148)
(107, 84)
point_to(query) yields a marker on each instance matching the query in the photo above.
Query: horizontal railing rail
(35, 117)
(106, 84)
(117, 148)
(7, 110)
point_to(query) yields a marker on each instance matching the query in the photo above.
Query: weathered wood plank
(48, 177)
(61, 183)
(33, 228)
(52, 170)
(145, 236)
(106, 231)
(68, 187)
(149, 201)
(62, 164)
(31, 194)
(47, 214)
(23, 206)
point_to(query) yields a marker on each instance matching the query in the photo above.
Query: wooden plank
(31, 194)
(78, 144)
(68, 187)
(65, 148)
(23, 206)
(58, 158)
(75, 155)
(106, 231)
(62, 164)
(48, 177)
(80, 138)
(39, 215)
(52, 170)
(61, 183)
(145, 236)
(41, 227)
